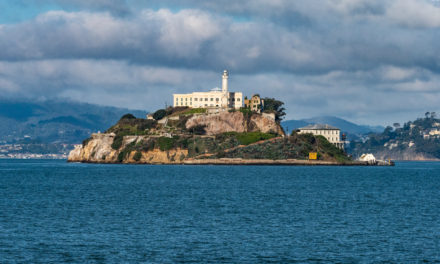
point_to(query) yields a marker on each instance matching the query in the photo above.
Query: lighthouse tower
(225, 81)
(225, 93)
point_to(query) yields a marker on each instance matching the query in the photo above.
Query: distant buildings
(255, 104)
(216, 98)
(332, 134)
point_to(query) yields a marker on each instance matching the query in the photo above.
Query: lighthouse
(225, 81)
(218, 99)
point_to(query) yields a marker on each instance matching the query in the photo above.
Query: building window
(181, 99)
(233, 99)
(238, 99)
(190, 98)
(217, 99)
(212, 99)
(206, 104)
(186, 99)
(195, 99)
(206, 99)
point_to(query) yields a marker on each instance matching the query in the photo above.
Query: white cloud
(414, 13)
(355, 59)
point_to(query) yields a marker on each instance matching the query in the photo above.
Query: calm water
(51, 211)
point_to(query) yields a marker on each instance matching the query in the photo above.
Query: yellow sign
(313, 156)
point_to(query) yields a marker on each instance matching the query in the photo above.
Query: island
(216, 127)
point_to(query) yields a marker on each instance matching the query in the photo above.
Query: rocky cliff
(235, 122)
(176, 140)
(98, 149)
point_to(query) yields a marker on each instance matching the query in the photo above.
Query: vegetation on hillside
(272, 105)
(419, 136)
(173, 134)
(296, 146)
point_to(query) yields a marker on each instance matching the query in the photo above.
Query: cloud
(415, 13)
(355, 59)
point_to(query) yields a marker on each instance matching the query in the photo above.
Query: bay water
(58, 212)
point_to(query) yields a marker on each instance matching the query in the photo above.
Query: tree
(159, 114)
(426, 114)
(198, 130)
(128, 116)
(275, 106)
(396, 125)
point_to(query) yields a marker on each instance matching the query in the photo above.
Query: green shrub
(171, 110)
(198, 130)
(137, 156)
(86, 141)
(120, 156)
(117, 141)
(252, 137)
(123, 154)
(159, 114)
(128, 116)
(246, 111)
(165, 143)
(195, 111)
(147, 146)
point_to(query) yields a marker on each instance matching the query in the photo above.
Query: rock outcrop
(167, 143)
(234, 122)
(98, 149)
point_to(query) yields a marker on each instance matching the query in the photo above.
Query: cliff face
(99, 150)
(234, 122)
(167, 143)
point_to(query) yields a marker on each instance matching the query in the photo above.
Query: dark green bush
(165, 143)
(198, 130)
(117, 141)
(252, 137)
(123, 154)
(137, 156)
(86, 141)
(159, 114)
(128, 116)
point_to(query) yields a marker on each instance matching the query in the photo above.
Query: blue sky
(372, 62)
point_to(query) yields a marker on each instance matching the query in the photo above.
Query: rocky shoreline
(248, 162)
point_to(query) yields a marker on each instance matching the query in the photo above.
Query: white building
(332, 134)
(216, 98)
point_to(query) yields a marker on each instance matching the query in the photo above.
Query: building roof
(319, 127)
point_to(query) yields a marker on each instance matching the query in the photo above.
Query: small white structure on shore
(368, 158)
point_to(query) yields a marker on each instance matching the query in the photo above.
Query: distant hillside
(416, 140)
(353, 130)
(55, 121)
